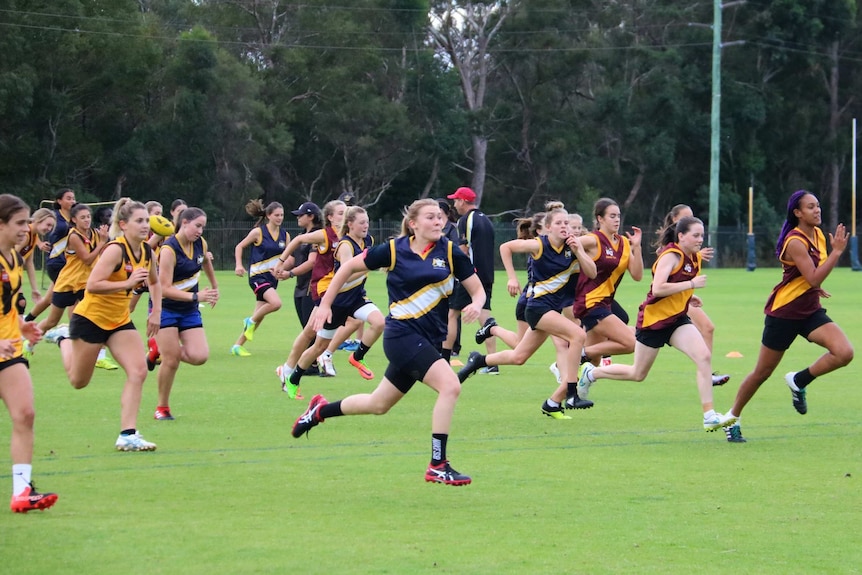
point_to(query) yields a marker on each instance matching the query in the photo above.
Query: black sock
(296, 375)
(29, 317)
(446, 354)
(438, 448)
(571, 389)
(803, 378)
(480, 362)
(360, 353)
(331, 410)
(128, 431)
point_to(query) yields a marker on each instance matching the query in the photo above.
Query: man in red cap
(477, 241)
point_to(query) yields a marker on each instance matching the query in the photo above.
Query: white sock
(102, 354)
(552, 403)
(327, 354)
(21, 477)
(709, 414)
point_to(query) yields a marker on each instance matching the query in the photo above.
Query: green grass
(630, 486)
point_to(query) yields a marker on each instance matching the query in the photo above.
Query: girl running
(554, 258)
(103, 317)
(663, 319)
(422, 267)
(325, 240)
(16, 386)
(793, 307)
(351, 301)
(267, 240)
(613, 255)
(181, 336)
(63, 202)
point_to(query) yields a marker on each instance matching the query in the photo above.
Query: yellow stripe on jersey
(422, 301)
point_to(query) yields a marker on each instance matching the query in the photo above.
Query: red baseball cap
(465, 194)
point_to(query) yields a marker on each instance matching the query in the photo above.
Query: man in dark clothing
(477, 241)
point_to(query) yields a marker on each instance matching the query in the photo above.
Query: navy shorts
(656, 338)
(82, 328)
(54, 271)
(533, 314)
(594, 316)
(410, 358)
(260, 283)
(64, 299)
(521, 310)
(182, 320)
(779, 333)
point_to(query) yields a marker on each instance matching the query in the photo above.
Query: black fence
(731, 249)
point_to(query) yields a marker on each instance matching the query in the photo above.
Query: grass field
(633, 485)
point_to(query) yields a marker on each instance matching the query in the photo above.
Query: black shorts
(461, 298)
(64, 299)
(341, 313)
(14, 361)
(54, 271)
(656, 338)
(410, 358)
(533, 314)
(261, 283)
(82, 328)
(521, 310)
(594, 316)
(779, 333)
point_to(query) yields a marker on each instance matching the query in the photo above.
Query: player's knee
(844, 355)
(24, 417)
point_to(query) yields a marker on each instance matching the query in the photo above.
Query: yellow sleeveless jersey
(111, 310)
(10, 284)
(73, 276)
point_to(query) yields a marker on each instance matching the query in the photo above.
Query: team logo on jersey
(129, 269)
(200, 260)
(687, 268)
(438, 263)
(568, 254)
(4, 277)
(609, 252)
(281, 245)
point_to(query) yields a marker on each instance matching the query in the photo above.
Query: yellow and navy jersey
(111, 310)
(612, 260)
(419, 285)
(73, 276)
(266, 250)
(187, 271)
(550, 272)
(58, 238)
(29, 245)
(10, 282)
(660, 312)
(353, 290)
(794, 297)
(322, 272)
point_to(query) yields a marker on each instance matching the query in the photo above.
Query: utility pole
(715, 124)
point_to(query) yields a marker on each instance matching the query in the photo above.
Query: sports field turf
(633, 485)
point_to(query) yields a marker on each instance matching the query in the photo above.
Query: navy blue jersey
(58, 239)
(477, 233)
(419, 285)
(266, 251)
(187, 271)
(352, 292)
(551, 270)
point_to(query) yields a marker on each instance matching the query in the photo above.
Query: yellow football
(161, 226)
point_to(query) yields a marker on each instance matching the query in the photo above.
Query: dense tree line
(220, 101)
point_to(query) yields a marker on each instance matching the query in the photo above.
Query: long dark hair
(791, 220)
(671, 233)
